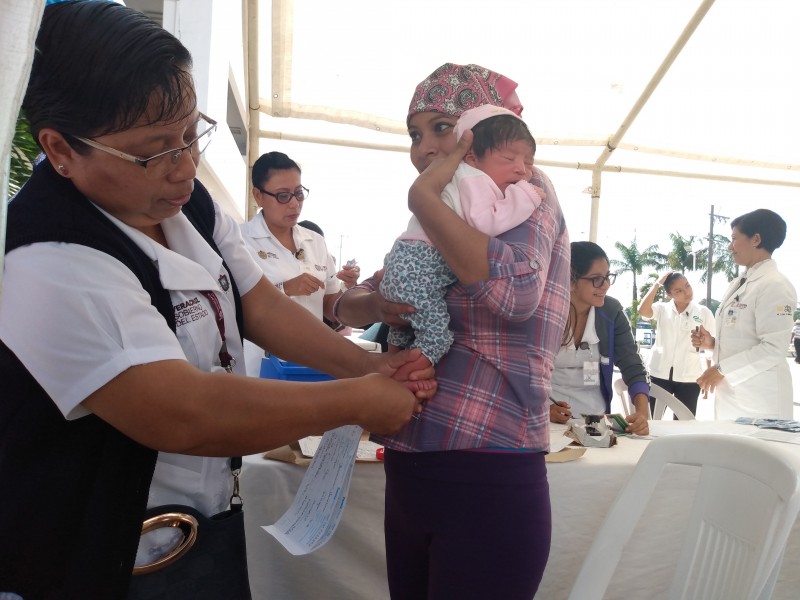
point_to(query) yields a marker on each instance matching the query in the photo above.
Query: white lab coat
(753, 322)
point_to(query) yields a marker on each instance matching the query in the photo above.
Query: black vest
(73, 493)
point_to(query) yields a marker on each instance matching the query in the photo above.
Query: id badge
(591, 372)
(730, 316)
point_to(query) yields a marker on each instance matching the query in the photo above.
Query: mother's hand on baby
(390, 312)
(432, 180)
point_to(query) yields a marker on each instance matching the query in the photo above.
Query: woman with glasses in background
(295, 259)
(126, 295)
(597, 337)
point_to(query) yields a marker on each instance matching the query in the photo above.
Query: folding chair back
(745, 503)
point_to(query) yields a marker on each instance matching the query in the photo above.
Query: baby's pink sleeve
(489, 211)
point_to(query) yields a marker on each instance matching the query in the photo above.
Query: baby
(491, 192)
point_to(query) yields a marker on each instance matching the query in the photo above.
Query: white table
(351, 566)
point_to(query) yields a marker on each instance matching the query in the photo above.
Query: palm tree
(722, 262)
(635, 260)
(650, 281)
(680, 258)
(23, 152)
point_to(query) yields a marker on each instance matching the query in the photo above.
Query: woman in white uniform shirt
(120, 313)
(674, 362)
(750, 373)
(295, 259)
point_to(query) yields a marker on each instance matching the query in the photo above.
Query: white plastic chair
(747, 498)
(622, 391)
(665, 400)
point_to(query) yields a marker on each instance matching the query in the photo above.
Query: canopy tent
(684, 88)
(679, 88)
(17, 33)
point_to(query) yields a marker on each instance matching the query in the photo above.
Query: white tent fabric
(679, 87)
(663, 76)
(17, 34)
(706, 82)
(695, 89)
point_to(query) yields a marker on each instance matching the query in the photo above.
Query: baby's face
(506, 165)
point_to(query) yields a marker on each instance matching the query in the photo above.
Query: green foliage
(681, 259)
(722, 261)
(633, 315)
(635, 260)
(714, 305)
(660, 296)
(678, 258)
(23, 152)
(652, 279)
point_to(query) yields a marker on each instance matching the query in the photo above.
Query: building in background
(213, 32)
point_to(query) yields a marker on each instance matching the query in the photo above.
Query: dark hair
(495, 132)
(671, 279)
(582, 255)
(99, 67)
(312, 226)
(769, 225)
(271, 161)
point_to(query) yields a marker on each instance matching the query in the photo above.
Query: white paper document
(367, 451)
(317, 507)
(558, 438)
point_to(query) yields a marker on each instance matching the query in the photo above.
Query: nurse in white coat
(753, 321)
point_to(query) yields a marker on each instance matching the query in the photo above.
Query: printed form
(317, 507)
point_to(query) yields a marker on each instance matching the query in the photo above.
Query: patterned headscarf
(451, 89)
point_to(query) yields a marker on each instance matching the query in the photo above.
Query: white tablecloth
(351, 566)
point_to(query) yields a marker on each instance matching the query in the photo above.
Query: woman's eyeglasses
(164, 162)
(599, 280)
(300, 193)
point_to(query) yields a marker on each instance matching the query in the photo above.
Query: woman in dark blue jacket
(597, 338)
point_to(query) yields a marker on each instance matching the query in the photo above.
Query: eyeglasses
(164, 162)
(300, 193)
(599, 280)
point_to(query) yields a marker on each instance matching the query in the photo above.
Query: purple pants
(466, 524)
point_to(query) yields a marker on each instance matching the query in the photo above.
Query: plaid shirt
(494, 382)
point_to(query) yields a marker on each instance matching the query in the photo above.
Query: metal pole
(710, 258)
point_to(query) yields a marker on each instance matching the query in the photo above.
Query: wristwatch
(718, 367)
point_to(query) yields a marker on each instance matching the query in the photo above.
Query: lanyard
(225, 359)
(741, 283)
